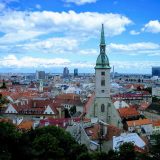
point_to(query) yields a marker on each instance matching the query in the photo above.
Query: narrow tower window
(103, 73)
(102, 108)
(103, 82)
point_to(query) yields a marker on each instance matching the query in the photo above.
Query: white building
(128, 137)
(120, 104)
(143, 126)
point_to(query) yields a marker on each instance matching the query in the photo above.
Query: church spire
(102, 59)
(102, 36)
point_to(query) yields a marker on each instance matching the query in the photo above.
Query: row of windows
(48, 113)
(11, 112)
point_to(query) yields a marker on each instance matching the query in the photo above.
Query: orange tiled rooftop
(125, 112)
(139, 122)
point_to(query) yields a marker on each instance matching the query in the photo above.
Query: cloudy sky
(52, 34)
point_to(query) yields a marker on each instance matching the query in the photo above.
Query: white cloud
(38, 6)
(19, 35)
(133, 32)
(52, 45)
(134, 66)
(141, 46)
(80, 2)
(28, 62)
(152, 26)
(2, 7)
(85, 24)
(88, 52)
(12, 61)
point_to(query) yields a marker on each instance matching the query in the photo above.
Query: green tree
(99, 156)
(113, 155)
(155, 147)
(9, 138)
(149, 89)
(127, 152)
(3, 85)
(85, 156)
(46, 146)
(3, 100)
(66, 146)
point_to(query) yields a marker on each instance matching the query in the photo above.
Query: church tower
(102, 71)
(103, 108)
(41, 86)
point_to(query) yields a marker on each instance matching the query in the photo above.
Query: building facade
(65, 72)
(156, 71)
(75, 72)
(40, 75)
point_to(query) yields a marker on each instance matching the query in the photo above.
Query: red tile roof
(89, 103)
(128, 112)
(61, 122)
(93, 131)
(139, 122)
(5, 120)
(129, 95)
(69, 98)
(112, 131)
(36, 106)
(144, 105)
(138, 149)
(26, 125)
(156, 123)
(134, 86)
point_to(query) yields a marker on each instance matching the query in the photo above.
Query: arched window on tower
(102, 82)
(102, 108)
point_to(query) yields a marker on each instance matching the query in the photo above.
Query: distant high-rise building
(65, 72)
(75, 72)
(40, 75)
(156, 71)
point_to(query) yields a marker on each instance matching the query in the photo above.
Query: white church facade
(102, 106)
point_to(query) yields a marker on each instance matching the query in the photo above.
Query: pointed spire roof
(102, 36)
(102, 59)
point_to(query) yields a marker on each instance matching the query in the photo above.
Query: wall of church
(102, 83)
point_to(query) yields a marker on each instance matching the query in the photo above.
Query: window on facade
(50, 112)
(102, 91)
(102, 82)
(103, 73)
(102, 108)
